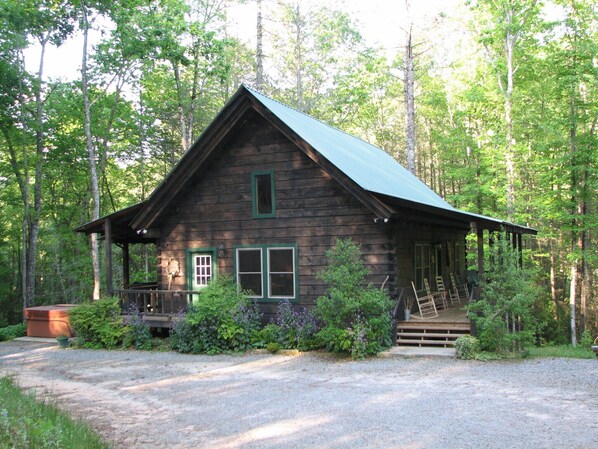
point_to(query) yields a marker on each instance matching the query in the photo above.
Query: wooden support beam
(480, 233)
(520, 249)
(108, 253)
(126, 269)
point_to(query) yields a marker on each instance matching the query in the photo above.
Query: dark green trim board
(189, 253)
(255, 213)
(265, 269)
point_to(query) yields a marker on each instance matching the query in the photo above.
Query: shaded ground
(167, 400)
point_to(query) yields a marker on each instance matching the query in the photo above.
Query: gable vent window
(263, 195)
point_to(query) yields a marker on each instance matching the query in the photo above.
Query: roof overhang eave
(467, 218)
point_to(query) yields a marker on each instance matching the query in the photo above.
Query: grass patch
(566, 351)
(28, 423)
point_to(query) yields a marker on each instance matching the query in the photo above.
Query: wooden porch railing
(151, 301)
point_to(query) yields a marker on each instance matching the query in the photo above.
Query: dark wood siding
(312, 211)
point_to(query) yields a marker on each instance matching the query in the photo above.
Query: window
(249, 271)
(262, 195)
(268, 271)
(422, 264)
(281, 273)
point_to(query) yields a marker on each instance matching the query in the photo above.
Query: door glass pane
(202, 270)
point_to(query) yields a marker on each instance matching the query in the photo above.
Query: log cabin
(266, 190)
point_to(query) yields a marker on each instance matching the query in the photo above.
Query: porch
(160, 308)
(438, 331)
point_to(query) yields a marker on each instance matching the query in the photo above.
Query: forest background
(492, 103)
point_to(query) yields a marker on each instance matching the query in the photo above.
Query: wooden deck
(441, 330)
(453, 314)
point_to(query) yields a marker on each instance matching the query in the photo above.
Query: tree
(48, 23)
(507, 24)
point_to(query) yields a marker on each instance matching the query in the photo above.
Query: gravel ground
(168, 400)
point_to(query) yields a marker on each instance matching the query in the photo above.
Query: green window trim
(266, 284)
(190, 253)
(256, 178)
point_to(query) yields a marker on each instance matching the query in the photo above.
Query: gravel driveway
(167, 400)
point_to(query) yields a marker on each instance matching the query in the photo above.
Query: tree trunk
(91, 153)
(298, 61)
(509, 140)
(553, 292)
(185, 143)
(259, 51)
(409, 91)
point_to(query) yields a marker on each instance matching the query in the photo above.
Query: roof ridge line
(316, 119)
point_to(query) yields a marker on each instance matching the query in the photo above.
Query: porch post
(126, 273)
(480, 232)
(520, 249)
(108, 253)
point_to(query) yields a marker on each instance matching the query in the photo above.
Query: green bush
(273, 347)
(467, 347)
(270, 333)
(508, 291)
(222, 320)
(355, 316)
(298, 328)
(137, 331)
(12, 332)
(98, 324)
(586, 340)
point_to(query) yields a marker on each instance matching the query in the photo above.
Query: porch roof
(121, 229)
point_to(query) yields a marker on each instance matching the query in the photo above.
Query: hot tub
(48, 321)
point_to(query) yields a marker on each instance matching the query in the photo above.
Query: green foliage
(270, 333)
(12, 332)
(27, 423)
(98, 324)
(586, 340)
(467, 347)
(222, 320)
(273, 347)
(564, 351)
(297, 329)
(355, 316)
(507, 292)
(137, 331)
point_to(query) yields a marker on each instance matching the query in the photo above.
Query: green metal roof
(370, 167)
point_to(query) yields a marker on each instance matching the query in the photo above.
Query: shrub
(467, 347)
(273, 347)
(271, 333)
(355, 316)
(222, 320)
(298, 329)
(12, 332)
(98, 324)
(586, 340)
(137, 330)
(508, 291)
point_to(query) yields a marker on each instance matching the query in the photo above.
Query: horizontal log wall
(312, 211)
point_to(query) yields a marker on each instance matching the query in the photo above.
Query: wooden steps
(435, 334)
